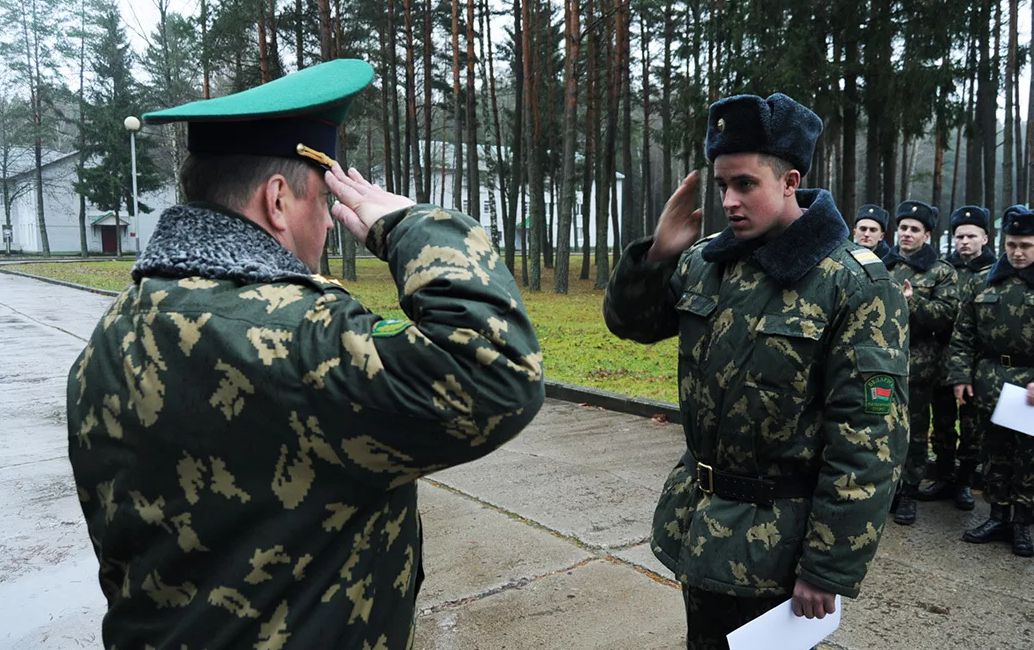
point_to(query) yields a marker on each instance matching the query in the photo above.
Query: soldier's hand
(679, 224)
(1030, 393)
(812, 602)
(962, 391)
(362, 203)
(907, 289)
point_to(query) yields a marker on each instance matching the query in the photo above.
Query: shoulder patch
(872, 264)
(389, 327)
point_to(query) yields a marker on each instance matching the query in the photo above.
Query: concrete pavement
(539, 545)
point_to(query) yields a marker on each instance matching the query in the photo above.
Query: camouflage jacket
(997, 320)
(972, 274)
(246, 437)
(932, 308)
(777, 342)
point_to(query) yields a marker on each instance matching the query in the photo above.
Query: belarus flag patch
(879, 394)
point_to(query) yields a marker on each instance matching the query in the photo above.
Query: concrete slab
(471, 549)
(583, 472)
(642, 557)
(600, 605)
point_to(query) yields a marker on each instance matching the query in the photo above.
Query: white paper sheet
(779, 628)
(1012, 410)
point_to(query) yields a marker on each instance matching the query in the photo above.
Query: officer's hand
(966, 390)
(812, 602)
(679, 223)
(1030, 393)
(362, 203)
(907, 289)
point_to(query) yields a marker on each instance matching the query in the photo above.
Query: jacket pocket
(784, 349)
(695, 311)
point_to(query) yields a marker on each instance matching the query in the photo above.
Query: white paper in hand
(1012, 410)
(779, 628)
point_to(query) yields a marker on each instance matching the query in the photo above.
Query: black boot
(906, 512)
(995, 528)
(964, 497)
(936, 491)
(1021, 543)
(963, 482)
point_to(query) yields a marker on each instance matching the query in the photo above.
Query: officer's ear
(274, 202)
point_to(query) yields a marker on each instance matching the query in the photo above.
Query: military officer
(993, 343)
(972, 259)
(792, 377)
(245, 435)
(929, 285)
(870, 229)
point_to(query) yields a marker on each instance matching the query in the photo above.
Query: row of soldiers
(971, 329)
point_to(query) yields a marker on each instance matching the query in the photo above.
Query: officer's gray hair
(230, 180)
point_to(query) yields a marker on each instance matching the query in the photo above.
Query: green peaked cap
(304, 107)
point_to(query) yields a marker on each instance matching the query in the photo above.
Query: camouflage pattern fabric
(932, 310)
(963, 444)
(998, 320)
(246, 453)
(773, 382)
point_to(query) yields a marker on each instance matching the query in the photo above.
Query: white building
(61, 210)
(442, 178)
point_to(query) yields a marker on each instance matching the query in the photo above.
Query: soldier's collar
(921, 260)
(790, 256)
(978, 263)
(1003, 270)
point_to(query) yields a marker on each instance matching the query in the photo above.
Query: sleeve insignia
(389, 327)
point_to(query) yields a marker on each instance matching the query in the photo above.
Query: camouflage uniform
(246, 437)
(776, 343)
(971, 277)
(991, 345)
(932, 310)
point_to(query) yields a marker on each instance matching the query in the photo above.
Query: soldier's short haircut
(230, 180)
(778, 165)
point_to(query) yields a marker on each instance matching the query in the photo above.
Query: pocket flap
(987, 298)
(795, 326)
(696, 303)
(872, 359)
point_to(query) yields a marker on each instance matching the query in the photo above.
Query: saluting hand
(679, 223)
(362, 203)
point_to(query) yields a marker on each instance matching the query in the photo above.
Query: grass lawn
(576, 345)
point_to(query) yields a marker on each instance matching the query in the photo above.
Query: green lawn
(576, 345)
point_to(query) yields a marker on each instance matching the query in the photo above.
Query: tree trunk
(263, 50)
(428, 75)
(1008, 189)
(489, 62)
(989, 116)
(536, 207)
(849, 173)
(473, 182)
(206, 58)
(398, 145)
(631, 223)
(457, 120)
(1028, 149)
(517, 165)
(572, 42)
(412, 138)
(648, 218)
(605, 160)
(666, 75)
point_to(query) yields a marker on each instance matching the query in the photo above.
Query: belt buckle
(708, 471)
(1006, 360)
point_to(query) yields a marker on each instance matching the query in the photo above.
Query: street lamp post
(132, 125)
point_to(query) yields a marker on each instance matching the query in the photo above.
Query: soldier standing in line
(245, 435)
(972, 259)
(870, 229)
(993, 343)
(929, 285)
(793, 357)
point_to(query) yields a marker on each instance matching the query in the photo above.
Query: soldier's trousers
(711, 616)
(951, 444)
(1008, 465)
(919, 394)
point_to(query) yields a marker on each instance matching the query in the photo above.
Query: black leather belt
(1011, 360)
(751, 489)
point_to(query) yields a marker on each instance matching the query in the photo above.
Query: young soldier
(929, 286)
(972, 260)
(245, 435)
(870, 229)
(792, 368)
(993, 343)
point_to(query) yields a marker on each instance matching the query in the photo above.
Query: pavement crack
(39, 322)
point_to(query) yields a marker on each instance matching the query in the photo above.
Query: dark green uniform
(992, 345)
(246, 437)
(932, 311)
(948, 443)
(793, 368)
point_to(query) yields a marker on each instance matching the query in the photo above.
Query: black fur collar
(921, 260)
(201, 239)
(788, 258)
(1003, 270)
(881, 250)
(978, 263)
